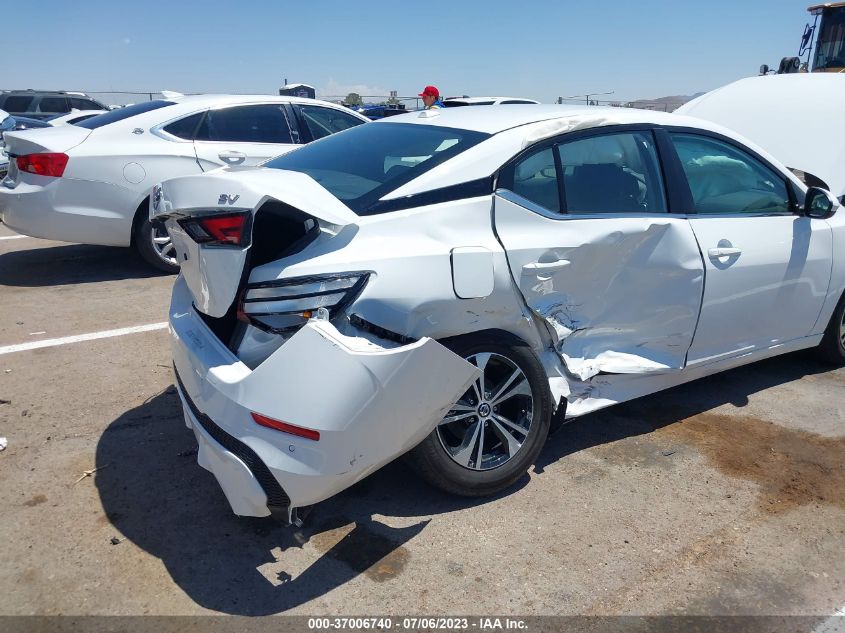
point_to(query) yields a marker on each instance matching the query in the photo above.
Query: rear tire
(153, 244)
(832, 347)
(513, 426)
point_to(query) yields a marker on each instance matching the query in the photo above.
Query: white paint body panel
(472, 272)
(769, 293)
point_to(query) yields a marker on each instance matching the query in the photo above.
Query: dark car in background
(45, 104)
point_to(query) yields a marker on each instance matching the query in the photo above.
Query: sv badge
(226, 199)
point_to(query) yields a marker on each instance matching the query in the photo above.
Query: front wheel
(154, 245)
(832, 347)
(495, 431)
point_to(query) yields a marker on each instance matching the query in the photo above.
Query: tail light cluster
(279, 306)
(228, 229)
(51, 164)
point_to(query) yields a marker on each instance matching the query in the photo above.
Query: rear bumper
(368, 403)
(69, 210)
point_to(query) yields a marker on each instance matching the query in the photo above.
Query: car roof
(225, 99)
(505, 117)
(471, 100)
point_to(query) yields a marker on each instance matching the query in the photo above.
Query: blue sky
(643, 49)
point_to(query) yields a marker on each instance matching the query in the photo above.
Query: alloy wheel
(491, 421)
(163, 245)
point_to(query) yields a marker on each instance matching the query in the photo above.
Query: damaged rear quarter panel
(411, 291)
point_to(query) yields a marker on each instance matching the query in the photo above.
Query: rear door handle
(547, 267)
(232, 158)
(723, 251)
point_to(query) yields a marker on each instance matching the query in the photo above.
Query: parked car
(443, 282)
(90, 182)
(44, 104)
(7, 123)
(455, 102)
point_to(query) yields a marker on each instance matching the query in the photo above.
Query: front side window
(724, 179)
(363, 164)
(323, 122)
(830, 44)
(262, 123)
(612, 173)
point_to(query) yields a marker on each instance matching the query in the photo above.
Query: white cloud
(334, 89)
(126, 40)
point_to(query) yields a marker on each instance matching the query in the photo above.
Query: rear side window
(53, 104)
(121, 114)
(326, 121)
(263, 123)
(16, 103)
(612, 173)
(724, 179)
(186, 127)
(363, 164)
(84, 104)
(535, 179)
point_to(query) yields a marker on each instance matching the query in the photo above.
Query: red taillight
(228, 229)
(43, 164)
(284, 427)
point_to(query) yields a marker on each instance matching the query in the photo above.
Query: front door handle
(547, 267)
(724, 251)
(232, 158)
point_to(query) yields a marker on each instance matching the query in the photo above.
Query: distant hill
(665, 104)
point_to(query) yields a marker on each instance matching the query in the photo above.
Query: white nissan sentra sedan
(90, 182)
(441, 283)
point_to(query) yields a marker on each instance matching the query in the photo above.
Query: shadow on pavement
(71, 264)
(649, 413)
(157, 496)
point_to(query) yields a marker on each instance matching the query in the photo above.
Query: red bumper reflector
(284, 427)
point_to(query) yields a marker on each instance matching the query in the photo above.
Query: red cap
(430, 91)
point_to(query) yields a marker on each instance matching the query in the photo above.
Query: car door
(242, 135)
(767, 267)
(596, 254)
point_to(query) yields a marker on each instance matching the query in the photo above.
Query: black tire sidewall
(144, 246)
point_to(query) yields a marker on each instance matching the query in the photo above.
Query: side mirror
(819, 203)
(764, 69)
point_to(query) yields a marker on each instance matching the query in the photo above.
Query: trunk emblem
(226, 199)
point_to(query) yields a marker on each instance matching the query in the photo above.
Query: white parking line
(52, 342)
(13, 237)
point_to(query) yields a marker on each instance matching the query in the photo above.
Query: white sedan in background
(90, 182)
(443, 282)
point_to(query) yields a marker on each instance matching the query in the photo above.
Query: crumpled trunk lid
(215, 273)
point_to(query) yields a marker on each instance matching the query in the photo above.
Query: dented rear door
(620, 282)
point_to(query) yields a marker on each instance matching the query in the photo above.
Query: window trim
(505, 175)
(159, 130)
(683, 183)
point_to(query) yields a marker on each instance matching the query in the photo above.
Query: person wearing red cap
(431, 98)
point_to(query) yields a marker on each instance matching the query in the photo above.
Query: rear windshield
(113, 116)
(360, 165)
